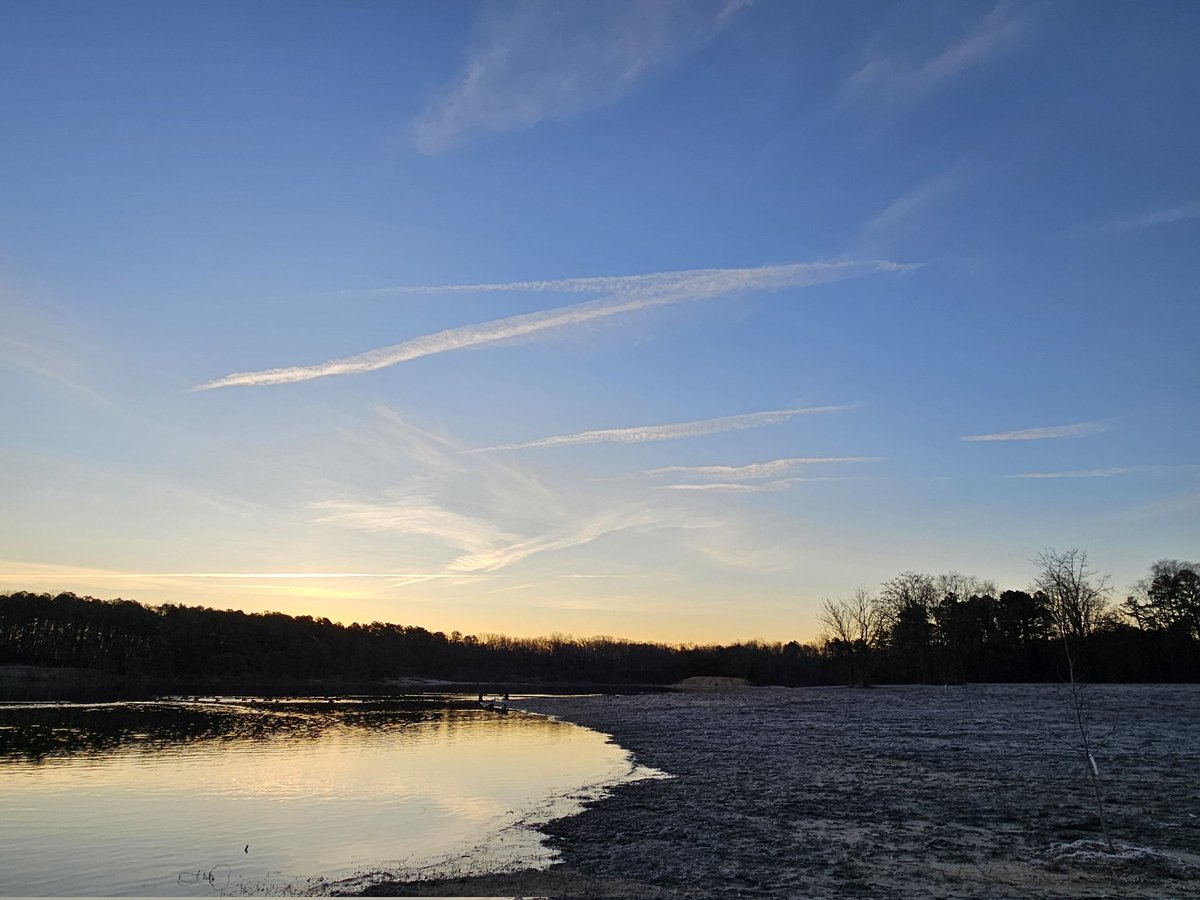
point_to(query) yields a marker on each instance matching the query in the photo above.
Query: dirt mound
(712, 683)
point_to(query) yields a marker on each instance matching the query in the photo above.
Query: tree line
(916, 628)
(956, 628)
(200, 645)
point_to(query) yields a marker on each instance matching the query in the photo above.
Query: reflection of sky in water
(120, 808)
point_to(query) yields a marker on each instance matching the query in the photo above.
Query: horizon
(666, 321)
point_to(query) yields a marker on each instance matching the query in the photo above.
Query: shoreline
(897, 791)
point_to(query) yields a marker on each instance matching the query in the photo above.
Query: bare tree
(963, 587)
(1075, 595)
(908, 591)
(855, 630)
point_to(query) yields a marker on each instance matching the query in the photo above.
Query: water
(244, 796)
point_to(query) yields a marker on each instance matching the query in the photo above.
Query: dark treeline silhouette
(917, 629)
(957, 628)
(200, 645)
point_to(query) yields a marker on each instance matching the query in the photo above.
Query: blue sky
(664, 320)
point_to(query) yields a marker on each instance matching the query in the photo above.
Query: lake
(203, 796)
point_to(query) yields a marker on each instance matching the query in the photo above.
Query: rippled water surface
(222, 796)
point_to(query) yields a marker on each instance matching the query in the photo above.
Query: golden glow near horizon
(342, 598)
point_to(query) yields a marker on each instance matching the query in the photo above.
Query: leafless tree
(1076, 596)
(855, 629)
(908, 591)
(963, 587)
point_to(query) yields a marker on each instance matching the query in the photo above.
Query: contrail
(759, 470)
(632, 293)
(756, 277)
(738, 487)
(1085, 473)
(1079, 429)
(643, 433)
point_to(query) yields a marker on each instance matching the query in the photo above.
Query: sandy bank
(899, 792)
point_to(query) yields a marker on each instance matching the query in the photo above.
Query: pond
(208, 796)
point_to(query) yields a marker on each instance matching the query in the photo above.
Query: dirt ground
(895, 791)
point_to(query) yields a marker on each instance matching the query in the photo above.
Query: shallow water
(222, 796)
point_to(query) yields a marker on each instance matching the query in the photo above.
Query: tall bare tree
(855, 630)
(1076, 594)
(1076, 597)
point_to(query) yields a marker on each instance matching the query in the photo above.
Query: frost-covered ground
(895, 791)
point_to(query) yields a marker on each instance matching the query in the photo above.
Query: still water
(200, 798)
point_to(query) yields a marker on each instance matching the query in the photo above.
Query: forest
(916, 628)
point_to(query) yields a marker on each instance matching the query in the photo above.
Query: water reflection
(245, 795)
(36, 731)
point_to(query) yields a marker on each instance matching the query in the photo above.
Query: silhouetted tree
(1169, 599)
(855, 631)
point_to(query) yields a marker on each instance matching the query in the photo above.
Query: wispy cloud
(641, 434)
(1168, 506)
(27, 571)
(36, 343)
(535, 61)
(892, 80)
(903, 212)
(415, 515)
(275, 575)
(493, 513)
(1146, 220)
(459, 499)
(1079, 429)
(736, 487)
(588, 531)
(1110, 472)
(1082, 473)
(682, 282)
(770, 469)
(641, 292)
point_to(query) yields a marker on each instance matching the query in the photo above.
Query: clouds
(903, 213)
(493, 514)
(643, 433)
(1110, 472)
(737, 487)
(734, 478)
(573, 535)
(682, 283)
(484, 514)
(535, 61)
(1082, 473)
(415, 514)
(1146, 220)
(893, 81)
(37, 343)
(1079, 429)
(768, 469)
(632, 293)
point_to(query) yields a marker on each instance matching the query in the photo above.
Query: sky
(656, 319)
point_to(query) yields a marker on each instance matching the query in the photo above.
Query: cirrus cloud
(536, 61)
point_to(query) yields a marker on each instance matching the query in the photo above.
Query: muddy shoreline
(896, 791)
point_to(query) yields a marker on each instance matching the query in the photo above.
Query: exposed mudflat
(894, 791)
